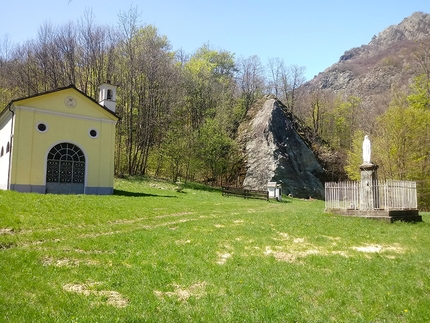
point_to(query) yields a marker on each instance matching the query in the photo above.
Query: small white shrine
(275, 190)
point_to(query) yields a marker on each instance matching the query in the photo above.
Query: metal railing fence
(386, 195)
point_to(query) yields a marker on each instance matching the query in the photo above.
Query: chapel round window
(93, 133)
(41, 127)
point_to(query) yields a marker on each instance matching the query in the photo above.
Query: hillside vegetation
(151, 254)
(180, 112)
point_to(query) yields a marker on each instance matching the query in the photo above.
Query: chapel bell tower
(108, 95)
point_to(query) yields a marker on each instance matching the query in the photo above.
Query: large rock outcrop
(276, 152)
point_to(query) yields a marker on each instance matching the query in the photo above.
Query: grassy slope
(150, 254)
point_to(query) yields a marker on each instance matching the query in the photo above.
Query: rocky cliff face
(275, 152)
(386, 63)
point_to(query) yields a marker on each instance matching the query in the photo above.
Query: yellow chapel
(61, 141)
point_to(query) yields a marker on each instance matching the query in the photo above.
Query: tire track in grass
(97, 230)
(134, 228)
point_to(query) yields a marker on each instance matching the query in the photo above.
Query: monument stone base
(369, 193)
(382, 215)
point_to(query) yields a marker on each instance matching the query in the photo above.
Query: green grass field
(151, 254)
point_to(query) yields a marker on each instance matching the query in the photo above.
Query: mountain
(386, 63)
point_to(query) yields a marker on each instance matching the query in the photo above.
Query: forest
(180, 112)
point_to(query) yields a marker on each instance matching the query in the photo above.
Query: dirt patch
(376, 248)
(284, 235)
(225, 253)
(6, 231)
(7, 245)
(196, 290)
(113, 298)
(173, 215)
(290, 257)
(340, 253)
(67, 262)
(294, 249)
(128, 221)
(299, 240)
(223, 257)
(91, 252)
(101, 234)
(331, 238)
(170, 223)
(182, 242)
(372, 248)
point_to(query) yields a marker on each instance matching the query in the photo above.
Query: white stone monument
(367, 150)
(369, 180)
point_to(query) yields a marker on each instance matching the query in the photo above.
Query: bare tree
(67, 46)
(292, 78)
(6, 68)
(148, 79)
(276, 69)
(250, 79)
(46, 57)
(422, 61)
(96, 45)
(5, 50)
(129, 43)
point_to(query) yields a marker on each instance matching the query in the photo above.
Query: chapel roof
(71, 86)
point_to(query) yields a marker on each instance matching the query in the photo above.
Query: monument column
(369, 195)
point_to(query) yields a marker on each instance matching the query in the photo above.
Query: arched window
(7, 147)
(109, 94)
(65, 164)
(2, 151)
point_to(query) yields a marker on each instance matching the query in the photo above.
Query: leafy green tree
(345, 116)
(214, 148)
(403, 141)
(208, 82)
(403, 146)
(420, 96)
(354, 156)
(176, 153)
(316, 107)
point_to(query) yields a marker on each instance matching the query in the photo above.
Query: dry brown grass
(68, 262)
(294, 249)
(112, 298)
(196, 290)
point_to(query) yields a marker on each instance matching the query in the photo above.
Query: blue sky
(309, 33)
